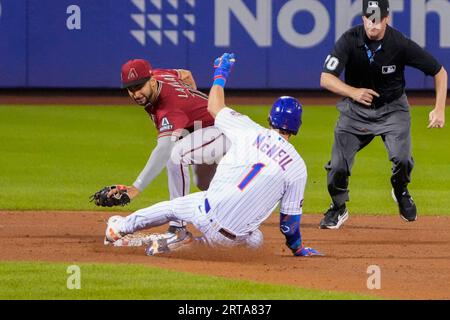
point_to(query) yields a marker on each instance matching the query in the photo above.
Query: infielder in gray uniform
(374, 56)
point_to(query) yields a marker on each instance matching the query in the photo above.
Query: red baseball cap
(135, 72)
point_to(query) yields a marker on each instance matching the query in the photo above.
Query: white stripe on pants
(191, 209)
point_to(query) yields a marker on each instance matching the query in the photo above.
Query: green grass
(55, 157)
(103, 281)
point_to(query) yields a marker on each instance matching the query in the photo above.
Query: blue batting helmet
(286, 114)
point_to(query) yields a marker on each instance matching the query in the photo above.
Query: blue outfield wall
(279, 43)
(13, 43)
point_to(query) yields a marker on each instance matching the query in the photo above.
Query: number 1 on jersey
(256, 169)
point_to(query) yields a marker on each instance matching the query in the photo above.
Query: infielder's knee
(176, 157)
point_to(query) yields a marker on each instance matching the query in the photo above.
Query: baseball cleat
(175, 229)
(170, 242)
(334, 218)
(407, 207)
(113, 232)
(140, 239)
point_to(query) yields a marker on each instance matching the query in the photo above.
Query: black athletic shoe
(406, 205)
(174, 229)
(334, 218)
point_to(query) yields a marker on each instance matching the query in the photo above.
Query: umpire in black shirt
(374, 56)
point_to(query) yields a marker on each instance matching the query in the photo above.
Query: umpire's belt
(222, 231)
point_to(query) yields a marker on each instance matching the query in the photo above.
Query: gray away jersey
(259, 170)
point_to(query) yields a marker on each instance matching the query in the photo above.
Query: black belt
(227, 234)
(222, 231)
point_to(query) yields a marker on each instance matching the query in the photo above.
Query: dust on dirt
(414, 258)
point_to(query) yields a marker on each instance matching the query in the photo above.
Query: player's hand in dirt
(307, 252)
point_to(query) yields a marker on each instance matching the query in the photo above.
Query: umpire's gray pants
(356, 128)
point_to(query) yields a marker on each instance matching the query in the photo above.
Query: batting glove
(223, 66)
(307, 252)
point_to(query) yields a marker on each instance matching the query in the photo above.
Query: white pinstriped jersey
(260, 170)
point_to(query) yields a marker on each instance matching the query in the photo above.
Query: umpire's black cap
(372, 8)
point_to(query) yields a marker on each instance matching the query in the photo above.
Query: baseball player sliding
(260, 170)
(187, 135)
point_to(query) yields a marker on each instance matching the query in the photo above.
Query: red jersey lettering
(177, 105)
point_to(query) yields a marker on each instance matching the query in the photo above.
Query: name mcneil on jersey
(161, 19)
(273, 151)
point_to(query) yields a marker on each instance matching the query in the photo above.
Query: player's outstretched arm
(222, 66)
(155, 165)
(216, 100)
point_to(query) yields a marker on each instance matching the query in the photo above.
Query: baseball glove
(111, 196)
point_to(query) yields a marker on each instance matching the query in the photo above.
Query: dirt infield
(414, 258)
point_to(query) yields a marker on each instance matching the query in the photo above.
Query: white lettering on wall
(258, 27)
(286, 26)
(419, 11)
